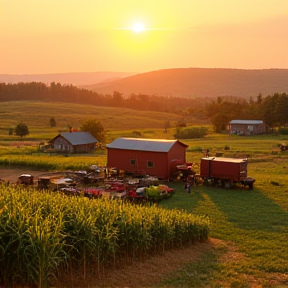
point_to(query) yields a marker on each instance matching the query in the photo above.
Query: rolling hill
(75, 79)
(37, 114)
(200, 82)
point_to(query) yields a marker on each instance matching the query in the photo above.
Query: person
(188, 187)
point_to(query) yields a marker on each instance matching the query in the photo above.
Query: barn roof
(78, 138)
(140, 144)
(246, 122)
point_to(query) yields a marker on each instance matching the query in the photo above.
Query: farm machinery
(93, 185)
(25, 179)
(225, 172)
(215, 171)
(110, 183)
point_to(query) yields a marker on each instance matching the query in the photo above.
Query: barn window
(150, 164)
(250, 127)
(133, 162)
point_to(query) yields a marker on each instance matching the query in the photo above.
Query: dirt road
(12, 174)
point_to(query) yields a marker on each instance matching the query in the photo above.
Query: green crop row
(46, 235)
(54, 162)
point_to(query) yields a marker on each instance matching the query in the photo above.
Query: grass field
(37, 115)
(251, 224)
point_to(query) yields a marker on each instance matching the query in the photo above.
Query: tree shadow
(250, 209)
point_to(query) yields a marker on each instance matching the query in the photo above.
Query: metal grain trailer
(225, 171)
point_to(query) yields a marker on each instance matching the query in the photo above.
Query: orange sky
(55, 36)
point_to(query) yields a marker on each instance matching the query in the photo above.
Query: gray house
(247, 127)
(74, 142)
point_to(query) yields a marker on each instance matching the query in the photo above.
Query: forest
(272, 109)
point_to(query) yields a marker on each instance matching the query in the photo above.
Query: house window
(132, 162)
(150, 164)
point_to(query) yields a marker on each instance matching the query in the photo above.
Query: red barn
(146, 156)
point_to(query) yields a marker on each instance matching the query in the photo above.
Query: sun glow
(138, 27)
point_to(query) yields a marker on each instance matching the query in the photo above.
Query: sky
(63, 36)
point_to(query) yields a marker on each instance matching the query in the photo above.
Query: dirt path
(152, 271)
(12, 174)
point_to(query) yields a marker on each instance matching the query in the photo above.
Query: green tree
(117, 99)
(166, 126)
(268, 108)
(52, 122)
(220, 122)
(95, 128)
(21, 130)
(281, 108)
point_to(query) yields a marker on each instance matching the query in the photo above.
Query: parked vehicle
(283, 147)
(26, 179)
(225, 171)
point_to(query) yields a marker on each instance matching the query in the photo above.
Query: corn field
(50, 163)
(45, 236)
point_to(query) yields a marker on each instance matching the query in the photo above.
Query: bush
(21, 130)
(180, 124)
(283, 131)
(153, 194)
(137, 133)
(191, 132)
(52, 122)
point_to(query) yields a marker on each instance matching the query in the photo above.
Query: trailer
(25, 179)
(225, 171)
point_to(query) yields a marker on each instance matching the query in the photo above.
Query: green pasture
(37, 115)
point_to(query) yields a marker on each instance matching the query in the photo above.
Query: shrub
(283, 131)
(21, 130)
(191, 132)
(137, 133)
(180, 124)
(153, 194)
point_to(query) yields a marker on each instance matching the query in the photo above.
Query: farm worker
(188, 187)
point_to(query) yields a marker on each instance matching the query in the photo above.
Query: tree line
(57, 92)
(272, 109)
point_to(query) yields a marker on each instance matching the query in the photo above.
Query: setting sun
(141, 36)
(138, 27)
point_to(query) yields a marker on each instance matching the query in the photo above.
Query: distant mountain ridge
(76, 79)
(176, 82)
(200, 82)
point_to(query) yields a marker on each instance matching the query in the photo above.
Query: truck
(225, 171)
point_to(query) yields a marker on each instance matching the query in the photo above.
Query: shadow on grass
(249, 209)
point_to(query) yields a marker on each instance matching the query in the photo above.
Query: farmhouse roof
(140, 144)
(78, 138)
(246, 122)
